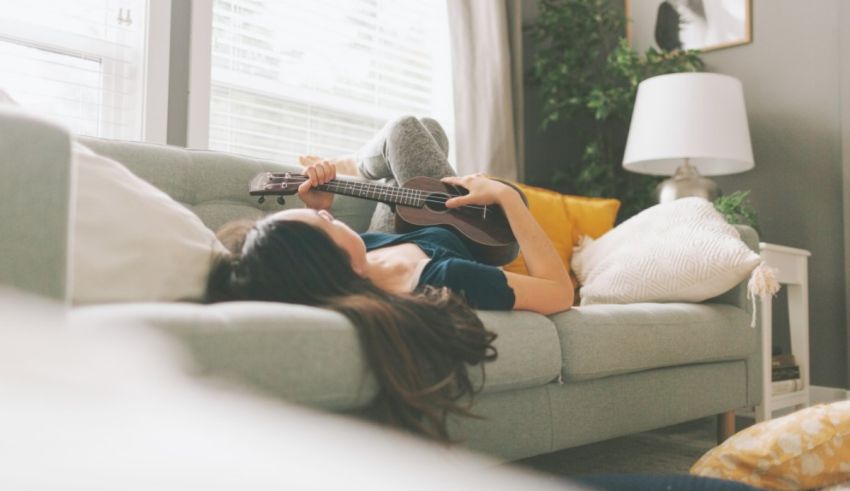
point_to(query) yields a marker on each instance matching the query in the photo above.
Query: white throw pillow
(131, 241)
(680, 251)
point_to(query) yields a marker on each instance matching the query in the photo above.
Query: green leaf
(737, 209)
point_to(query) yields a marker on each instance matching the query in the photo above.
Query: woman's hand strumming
(318, 173)
(547, 288)
(482, 190)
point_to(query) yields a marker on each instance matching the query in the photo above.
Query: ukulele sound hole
(437, 202)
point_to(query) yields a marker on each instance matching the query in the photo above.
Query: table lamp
(689, 125)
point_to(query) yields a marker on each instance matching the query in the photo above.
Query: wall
(791, 76)
(844, 54)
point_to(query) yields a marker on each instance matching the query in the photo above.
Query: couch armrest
(738, 297)
(35, 209)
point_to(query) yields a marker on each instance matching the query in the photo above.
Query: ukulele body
(485, 231)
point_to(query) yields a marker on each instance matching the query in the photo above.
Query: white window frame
(154, 103)
(157, 60)
(200, 75)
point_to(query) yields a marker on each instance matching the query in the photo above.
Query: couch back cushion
(214, 185)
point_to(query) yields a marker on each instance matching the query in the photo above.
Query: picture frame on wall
(671, 25)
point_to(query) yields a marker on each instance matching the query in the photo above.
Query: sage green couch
(577, 377)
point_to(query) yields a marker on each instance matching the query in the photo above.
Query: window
(290, 77)
(84, 63)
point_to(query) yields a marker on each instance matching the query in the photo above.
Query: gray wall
(844, 53)
(791, 74)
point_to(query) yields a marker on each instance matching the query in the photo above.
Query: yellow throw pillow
(548, 209)
(806, 449)
(565, 219)
(591, 216)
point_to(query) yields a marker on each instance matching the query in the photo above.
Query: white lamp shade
(695, 116)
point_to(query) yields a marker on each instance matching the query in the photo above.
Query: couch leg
(725, 426)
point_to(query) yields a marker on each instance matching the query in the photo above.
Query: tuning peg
(280, 200)
(261, 200)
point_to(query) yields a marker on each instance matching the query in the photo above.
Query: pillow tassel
(762, 282)
(577, 263)
(583, 242)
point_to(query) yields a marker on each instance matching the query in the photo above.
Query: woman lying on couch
(410, 296)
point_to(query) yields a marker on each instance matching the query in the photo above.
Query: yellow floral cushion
(565, 219)
(809, 448)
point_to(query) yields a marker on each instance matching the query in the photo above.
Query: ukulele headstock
(274, 184)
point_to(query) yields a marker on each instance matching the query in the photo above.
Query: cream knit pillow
(680, 251)
(132, 242)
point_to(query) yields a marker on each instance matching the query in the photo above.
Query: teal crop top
(452, 265)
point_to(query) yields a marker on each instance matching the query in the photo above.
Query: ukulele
(421, 202)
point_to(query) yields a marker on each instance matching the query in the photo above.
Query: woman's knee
(412, 126)
(406, 130)
(413, 123)
(406, 122)
(437, 132)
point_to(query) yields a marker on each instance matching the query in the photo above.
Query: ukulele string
(432, 199)
(389, 191)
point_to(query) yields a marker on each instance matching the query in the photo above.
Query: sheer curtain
(486, 84)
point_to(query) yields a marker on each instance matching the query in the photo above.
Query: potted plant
(587, 74)
(737, 209)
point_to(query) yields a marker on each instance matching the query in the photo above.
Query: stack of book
(786, 375)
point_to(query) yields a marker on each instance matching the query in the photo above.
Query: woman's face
(338, 231)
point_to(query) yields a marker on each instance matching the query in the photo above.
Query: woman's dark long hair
(417, 345)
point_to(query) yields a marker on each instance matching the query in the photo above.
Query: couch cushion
(529, 352)
(312, 356)
(602, 340)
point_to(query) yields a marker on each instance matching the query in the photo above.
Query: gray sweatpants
(404, 148)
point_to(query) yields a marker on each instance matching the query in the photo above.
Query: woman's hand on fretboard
(319, 172)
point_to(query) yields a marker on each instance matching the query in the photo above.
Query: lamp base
(686, 182)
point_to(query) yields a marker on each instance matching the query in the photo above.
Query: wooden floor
(667, 450)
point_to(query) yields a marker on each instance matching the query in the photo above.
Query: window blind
(320, 77)
(79, 62)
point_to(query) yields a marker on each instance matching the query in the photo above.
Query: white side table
(792, 270)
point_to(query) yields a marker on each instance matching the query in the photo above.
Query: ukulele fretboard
(376, 192)
(371, 191)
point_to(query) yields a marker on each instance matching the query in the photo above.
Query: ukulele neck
(376, 192)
